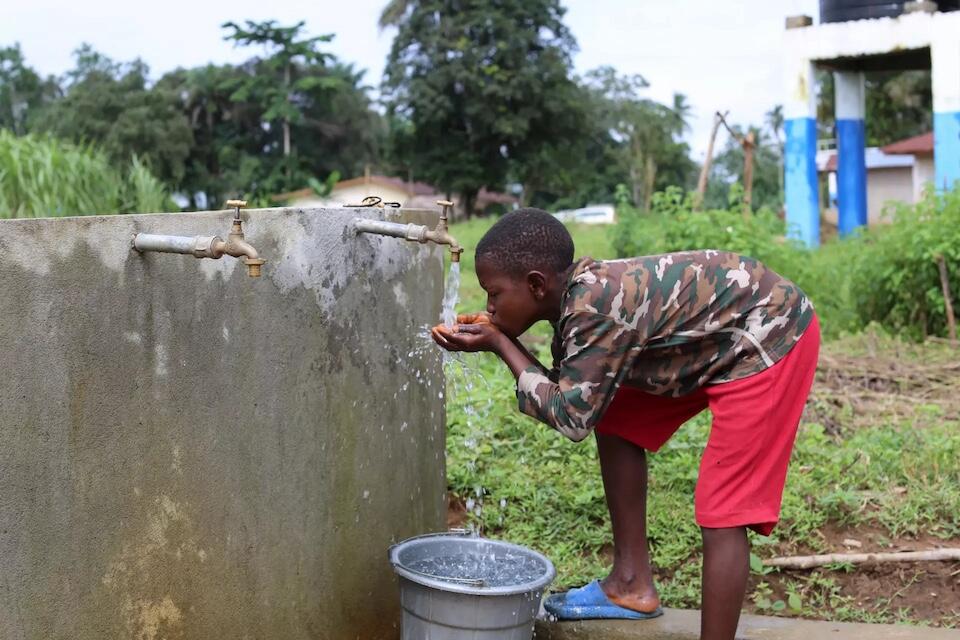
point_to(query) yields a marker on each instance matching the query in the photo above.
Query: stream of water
(451, 295)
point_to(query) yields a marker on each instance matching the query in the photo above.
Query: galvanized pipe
(197, 246)
(413, 232)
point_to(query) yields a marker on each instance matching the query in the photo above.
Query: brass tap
(441, 234)
(236, 246)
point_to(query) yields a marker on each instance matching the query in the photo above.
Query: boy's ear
(537, 283)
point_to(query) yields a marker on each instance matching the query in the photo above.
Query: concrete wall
(924, 174)
(190, 453)
(885, 186)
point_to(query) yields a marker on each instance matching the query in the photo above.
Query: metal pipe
(197, 246)
(412, 232)
(415, 232)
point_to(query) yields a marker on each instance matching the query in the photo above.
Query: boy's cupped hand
(473, 332)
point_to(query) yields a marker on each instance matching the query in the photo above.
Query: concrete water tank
(846, 10)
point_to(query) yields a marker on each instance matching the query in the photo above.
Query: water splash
(495, 569)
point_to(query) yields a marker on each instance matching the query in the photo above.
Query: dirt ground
(930, 590)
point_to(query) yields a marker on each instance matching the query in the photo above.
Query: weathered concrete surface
(189, 453)
(685, 625)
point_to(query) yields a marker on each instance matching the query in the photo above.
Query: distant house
(889, 179)
(921, 148)
(408, 194)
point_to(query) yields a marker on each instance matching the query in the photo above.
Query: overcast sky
(722, 55)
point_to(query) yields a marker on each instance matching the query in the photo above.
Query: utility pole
(705, 171)
(748, 143)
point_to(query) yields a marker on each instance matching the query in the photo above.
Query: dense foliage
(888, 274)
(894, 271)
(41, 176)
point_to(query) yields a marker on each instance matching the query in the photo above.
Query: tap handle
(445, 211)
(238, 204)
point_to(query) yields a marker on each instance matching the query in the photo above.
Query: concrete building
(889, 178)
(915, 35)
(921, 149)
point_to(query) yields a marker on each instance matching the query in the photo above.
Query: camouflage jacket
(665, 324)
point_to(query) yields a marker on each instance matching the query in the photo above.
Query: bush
(42, 176)
(673, 225)
(895, 279)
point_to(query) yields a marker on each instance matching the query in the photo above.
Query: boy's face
(512, 302)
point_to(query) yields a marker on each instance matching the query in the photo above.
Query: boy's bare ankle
(631, 593)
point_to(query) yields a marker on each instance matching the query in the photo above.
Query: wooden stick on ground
(808, 562)
(945, 285)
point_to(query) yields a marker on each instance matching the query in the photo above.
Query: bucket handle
(473, 582)
(450, 532)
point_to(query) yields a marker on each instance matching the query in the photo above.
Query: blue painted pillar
(800, 162)
(945, 56)
(851, 151)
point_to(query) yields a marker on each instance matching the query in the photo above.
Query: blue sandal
(591, 603)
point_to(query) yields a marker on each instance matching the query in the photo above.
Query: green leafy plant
(41, 176)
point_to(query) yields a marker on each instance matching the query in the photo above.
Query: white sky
(722, 55)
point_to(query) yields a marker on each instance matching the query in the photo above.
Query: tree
(277, 80)
(239, 150)
(646, 132)
(482, 85)
(22, 90)
(227, 156)
(112, 105)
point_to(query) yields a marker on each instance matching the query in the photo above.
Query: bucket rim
(537, 585)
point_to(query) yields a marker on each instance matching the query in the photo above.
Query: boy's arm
(516, 356)
(599, 353)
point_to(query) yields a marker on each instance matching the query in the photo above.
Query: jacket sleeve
(598, 354)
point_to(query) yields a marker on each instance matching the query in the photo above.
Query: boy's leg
(623, 466)
(726, 566)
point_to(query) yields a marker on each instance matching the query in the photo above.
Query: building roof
(875, 159)
(485, 197)
(419, 190)
(916, 146)
(413, 188)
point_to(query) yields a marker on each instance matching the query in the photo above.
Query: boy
(641, 346)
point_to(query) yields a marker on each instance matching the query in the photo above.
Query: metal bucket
(438, 608)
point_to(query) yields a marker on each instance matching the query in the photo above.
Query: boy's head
(521, 263)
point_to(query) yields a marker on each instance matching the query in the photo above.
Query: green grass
(529, 485)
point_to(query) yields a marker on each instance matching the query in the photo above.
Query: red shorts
(755, 420)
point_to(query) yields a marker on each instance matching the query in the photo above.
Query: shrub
(673, 225)
(895, 279)
(41, 176)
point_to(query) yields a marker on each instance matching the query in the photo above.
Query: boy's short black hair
(527, 240)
